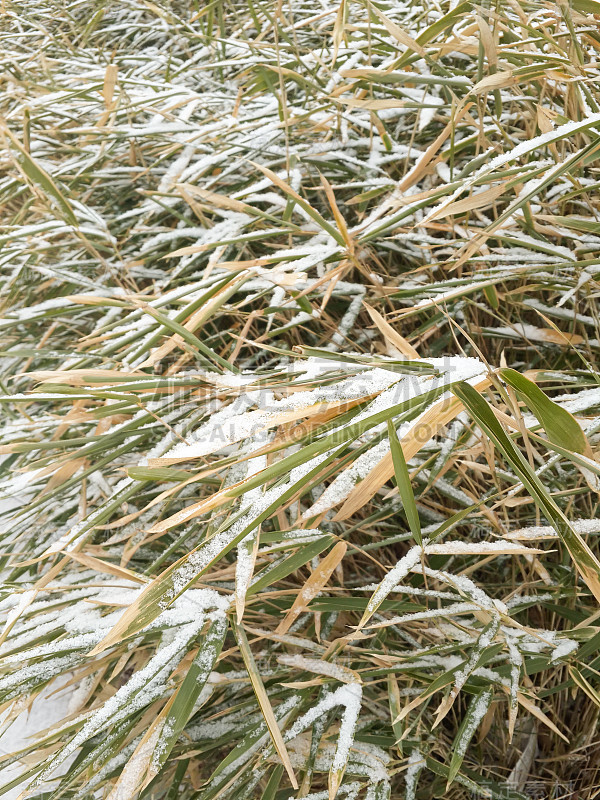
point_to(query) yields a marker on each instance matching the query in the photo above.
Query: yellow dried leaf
(392, 336)
(499, 80)
(468, 203)
(313, 586)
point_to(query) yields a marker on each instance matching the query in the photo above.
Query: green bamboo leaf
(158, 474)
(189, 309)
(339, 437)
(439, 26)
(182, 703)
(575, 223)
(404, 367)
(550, 177)
(312, 212)
(40, 178)
(586, 6)
(475, 713)
(584, 558)
(560, 425)
(289, 564)
(404, 485)
(189, 337)
(273, 783)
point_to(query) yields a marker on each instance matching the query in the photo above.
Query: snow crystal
(582, 526)
(350, 697)
(396, 574)
(476, 713)
(564, 648)
(416, 762)
(328, 668)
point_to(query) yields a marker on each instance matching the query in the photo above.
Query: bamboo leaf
(313, 585)
(585, 560)
(404, 484)
(560, 425)
(264, 702)
(475, 713)
(39, 177)
(313, 213)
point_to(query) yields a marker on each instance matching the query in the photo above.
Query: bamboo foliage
(299, 403)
